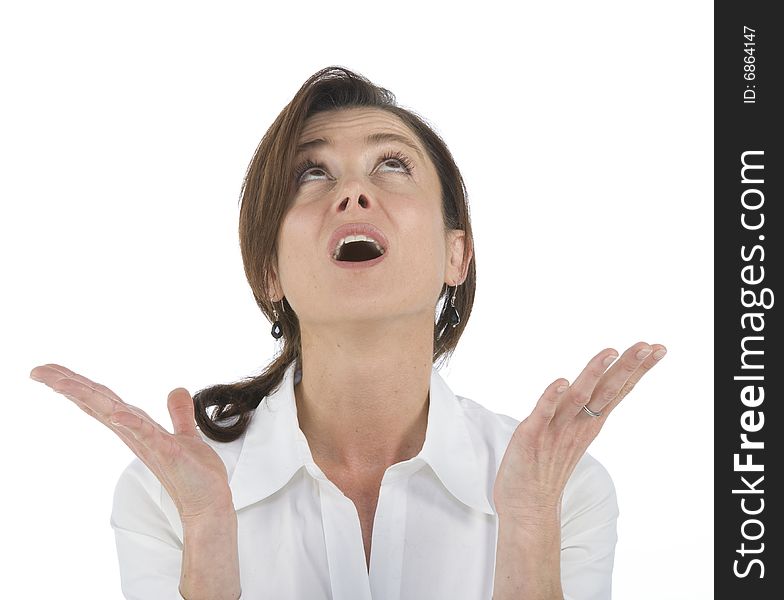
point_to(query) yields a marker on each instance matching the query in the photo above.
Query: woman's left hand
(546, 446)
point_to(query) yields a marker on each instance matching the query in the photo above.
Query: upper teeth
(357, 238)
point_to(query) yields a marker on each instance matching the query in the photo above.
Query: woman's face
(349, 176)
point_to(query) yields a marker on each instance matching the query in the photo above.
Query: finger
(617, 376)
(651, 361)
(95, 399)
(181, 409)
(50, 373)
(99, 403)
(546, 406)
(96, 403)
(579, 393)
(99, 398)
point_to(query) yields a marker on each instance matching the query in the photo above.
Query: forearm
(528, 556)
(210, 559)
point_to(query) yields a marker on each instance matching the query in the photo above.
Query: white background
(584, 131)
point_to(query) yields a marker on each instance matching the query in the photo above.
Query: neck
(363, 399)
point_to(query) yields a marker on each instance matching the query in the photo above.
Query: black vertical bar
(748, 271)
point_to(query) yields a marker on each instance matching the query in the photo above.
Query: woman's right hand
(187, 467)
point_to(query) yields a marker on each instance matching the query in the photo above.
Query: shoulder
(589, 495)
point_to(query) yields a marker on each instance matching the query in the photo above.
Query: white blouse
(435, 528)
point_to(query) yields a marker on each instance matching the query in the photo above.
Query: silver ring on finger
(590, 412)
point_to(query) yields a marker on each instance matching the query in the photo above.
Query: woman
(348, 468)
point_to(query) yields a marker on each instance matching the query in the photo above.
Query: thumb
(180, 406)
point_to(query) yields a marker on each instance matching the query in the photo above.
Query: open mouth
(357, 250)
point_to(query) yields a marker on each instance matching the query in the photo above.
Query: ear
(274, 290)
(456, 267)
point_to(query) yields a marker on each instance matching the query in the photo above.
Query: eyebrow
(373, 139)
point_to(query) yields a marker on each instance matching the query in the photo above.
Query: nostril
(361, 200)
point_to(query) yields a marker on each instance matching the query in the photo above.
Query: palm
(545, 448)
(188, 468)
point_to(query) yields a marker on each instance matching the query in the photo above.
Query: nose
(353, 193)
(348, 201)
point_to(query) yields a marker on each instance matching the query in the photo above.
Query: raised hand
(547, 445)
(187, 467)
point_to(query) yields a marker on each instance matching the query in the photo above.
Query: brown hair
(264, 199)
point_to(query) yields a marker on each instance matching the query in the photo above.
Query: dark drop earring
(454, 316)
(277, 330)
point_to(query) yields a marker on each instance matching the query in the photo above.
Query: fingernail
(609, 360)
(659, 353)
(561, 389)
(643, 353)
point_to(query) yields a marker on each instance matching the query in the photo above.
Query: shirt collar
(275, 448)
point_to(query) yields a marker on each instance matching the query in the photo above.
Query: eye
(393, 161)
(308, 167)
(398, 161)
(314, 171)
